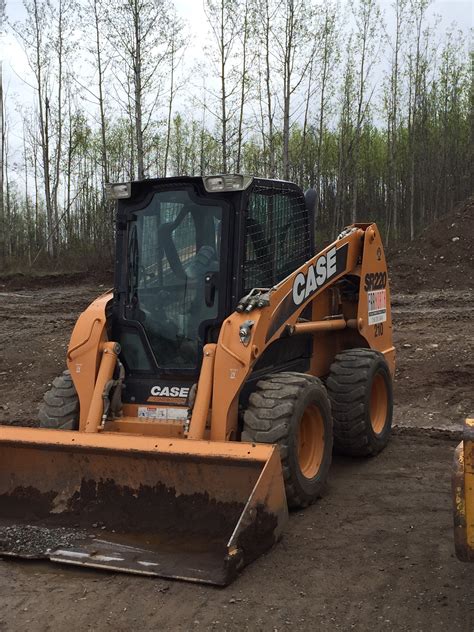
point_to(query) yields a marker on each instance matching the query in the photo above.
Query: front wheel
(293, 411)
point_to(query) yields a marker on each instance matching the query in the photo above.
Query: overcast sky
(459, 11)
(16, 71)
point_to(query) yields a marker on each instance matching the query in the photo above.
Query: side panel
(363, 295)
(374, 313)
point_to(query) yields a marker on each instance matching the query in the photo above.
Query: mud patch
(26, 503)
(259, 535)
(152, 510)
(155, 509)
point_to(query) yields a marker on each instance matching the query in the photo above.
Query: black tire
(60, 406)
(293, 411)
(360, 388)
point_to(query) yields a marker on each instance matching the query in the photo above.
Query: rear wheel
(293, 411)
(60, 406)
(360, 389)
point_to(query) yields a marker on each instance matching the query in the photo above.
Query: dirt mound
(440, 257)
(21, 281)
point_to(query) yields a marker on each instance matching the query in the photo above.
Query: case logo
(317, 275)
(169, 391)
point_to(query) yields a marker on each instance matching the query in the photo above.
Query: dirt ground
(375, 554)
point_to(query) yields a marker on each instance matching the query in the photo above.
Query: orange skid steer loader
(204, 394)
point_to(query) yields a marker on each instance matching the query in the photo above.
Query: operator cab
(188, 249)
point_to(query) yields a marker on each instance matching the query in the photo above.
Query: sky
(16, 72)
(16, 66)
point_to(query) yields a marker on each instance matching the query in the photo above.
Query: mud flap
(192, 510)
(463, 494)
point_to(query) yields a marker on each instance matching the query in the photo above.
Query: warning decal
(165, 413)
(377, 302)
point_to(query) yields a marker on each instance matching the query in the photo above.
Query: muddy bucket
(192, 510)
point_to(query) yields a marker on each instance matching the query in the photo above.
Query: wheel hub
(311, 441)
(378, 403)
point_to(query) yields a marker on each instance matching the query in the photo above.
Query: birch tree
(35, 33)
(293, 52)
(138, 33)
(224, 25)
(416, 72)
(367, 45)
(400, 11)
(328, 57)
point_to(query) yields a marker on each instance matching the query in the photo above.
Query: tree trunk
(243, 90)
(137, 84)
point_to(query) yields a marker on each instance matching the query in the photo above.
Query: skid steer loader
(204, 393)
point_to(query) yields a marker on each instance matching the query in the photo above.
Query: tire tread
(60, 406)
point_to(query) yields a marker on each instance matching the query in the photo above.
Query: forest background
(369, 102)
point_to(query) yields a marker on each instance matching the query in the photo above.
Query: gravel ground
(35, 541)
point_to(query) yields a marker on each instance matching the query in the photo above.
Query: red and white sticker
(377, 302)
(163, 413)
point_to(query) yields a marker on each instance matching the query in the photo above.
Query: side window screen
(257, 264)
(276, 237)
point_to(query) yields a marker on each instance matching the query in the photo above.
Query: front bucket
(193, 510)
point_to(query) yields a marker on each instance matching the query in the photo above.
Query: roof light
(118, 191)
(234, 182)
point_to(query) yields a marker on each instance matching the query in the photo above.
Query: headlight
(234, 182)
(118, 191)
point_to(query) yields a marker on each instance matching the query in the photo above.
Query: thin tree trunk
(103, 123)
(223, 92)
(57, 172)
(170, 110)
(43, 106)
(287, 91)
(138, 94)
(322, 108)
(242, 88)
(271, 139)
(29, 223)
